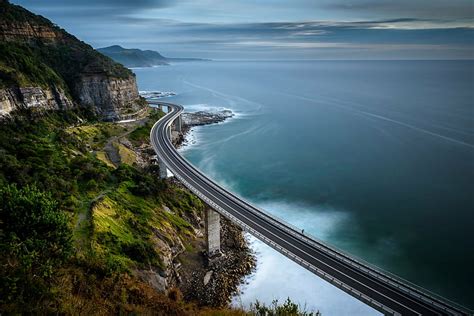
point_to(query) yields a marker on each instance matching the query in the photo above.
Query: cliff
(44, 67)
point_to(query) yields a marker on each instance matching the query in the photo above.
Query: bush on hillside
(34, 240)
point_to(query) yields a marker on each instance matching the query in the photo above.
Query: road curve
(381, 290)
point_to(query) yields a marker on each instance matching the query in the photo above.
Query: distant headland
(134, 57)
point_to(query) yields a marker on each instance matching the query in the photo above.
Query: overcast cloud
(277, 29)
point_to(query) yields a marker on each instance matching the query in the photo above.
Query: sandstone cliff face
(29, 42)
(27, 32)
(12, 99)
(112, 98)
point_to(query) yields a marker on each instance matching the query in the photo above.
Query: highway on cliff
(381, 290)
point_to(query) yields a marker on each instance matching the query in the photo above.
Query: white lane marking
(305, 239)
(278, 237)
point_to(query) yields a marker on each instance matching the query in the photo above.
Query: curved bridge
(381, 290)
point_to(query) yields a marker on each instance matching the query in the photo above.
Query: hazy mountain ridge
(133, 57)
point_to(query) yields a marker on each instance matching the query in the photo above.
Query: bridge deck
(384, 292)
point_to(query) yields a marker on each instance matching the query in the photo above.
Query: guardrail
(375, 272)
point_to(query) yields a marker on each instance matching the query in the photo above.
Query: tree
(34, 239)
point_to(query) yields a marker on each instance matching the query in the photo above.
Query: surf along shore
(206, 282)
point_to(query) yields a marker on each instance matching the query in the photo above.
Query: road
(381, 290)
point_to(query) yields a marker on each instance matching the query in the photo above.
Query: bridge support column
(213, 233)
(160, 107)
(163, 169)
(178, 124)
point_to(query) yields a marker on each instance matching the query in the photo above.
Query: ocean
(373, 157)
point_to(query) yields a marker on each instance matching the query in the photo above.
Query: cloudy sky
(272, 29)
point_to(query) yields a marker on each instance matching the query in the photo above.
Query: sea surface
(373, 157)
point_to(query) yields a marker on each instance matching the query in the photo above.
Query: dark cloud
(93, 8)
(139, 24)
(71, 4)
(444, 9)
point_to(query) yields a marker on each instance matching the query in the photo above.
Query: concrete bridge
(383, 291)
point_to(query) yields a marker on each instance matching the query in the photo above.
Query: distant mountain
(140, 58)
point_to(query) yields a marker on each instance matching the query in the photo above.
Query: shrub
(288, 308)
(34, 239)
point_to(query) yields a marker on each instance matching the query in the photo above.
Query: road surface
(381, 290)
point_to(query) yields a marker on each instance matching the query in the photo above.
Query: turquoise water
(374, 157)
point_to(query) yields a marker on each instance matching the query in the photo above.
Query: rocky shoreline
(199, 118)
(213, 282)
(205, 118)
(205, 282)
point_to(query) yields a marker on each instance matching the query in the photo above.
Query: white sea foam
(156, 94)
(233, 100)
(192, 139)
(277, 277)
(204, 107)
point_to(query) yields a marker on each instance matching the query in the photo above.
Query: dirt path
(84, 217)
(111, 151)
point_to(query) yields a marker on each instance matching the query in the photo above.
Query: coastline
(214, 283)
(207, 283)
(250, 288)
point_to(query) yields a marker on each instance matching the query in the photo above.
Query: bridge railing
(375, 271)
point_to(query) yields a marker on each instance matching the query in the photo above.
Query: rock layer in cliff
(44, 67)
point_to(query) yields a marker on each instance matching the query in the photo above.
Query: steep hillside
(44, 67)
(80, 235)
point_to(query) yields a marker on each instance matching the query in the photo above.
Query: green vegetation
(142, 134)
(34, 240)
(288, 308)
(20, 65)
(58, 60)
(75, 229)
(70, 199)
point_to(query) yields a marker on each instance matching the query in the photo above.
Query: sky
(272, 29)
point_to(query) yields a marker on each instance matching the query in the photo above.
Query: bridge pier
(213, 233)
(163, 169)
(178, 124)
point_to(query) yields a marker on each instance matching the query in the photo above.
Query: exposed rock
(12, 99)
(28, 32)
(206, 117)
(75, 74)
(207, 277)
(192, 119)
(153, 278)
(212, 283)
(112, 98)
(157, 94)
(207, 283)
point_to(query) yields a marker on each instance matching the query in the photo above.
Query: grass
(96, 134)
(102, 156)
(127, 156)
(107, 220)
(142, 134)
(121, 222)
